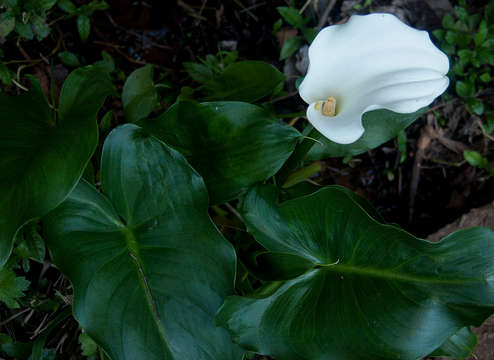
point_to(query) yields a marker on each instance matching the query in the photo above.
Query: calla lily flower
(371, 62)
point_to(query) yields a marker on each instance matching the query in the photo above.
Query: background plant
(469, 41)
(293, 17)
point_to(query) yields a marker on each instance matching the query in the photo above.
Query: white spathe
(371, 62)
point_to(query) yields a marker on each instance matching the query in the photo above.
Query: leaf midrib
(397, 276)
(133, 249)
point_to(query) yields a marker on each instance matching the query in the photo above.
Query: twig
(21, 61)
(305, 6)
(325, 14)
(203, 5)
(44, 59)
(438, 106)
(31, 62)
(40, 328)
(63, 17)
(234, 211)
(27, 318)
(436, 132)
(484, 132)
(190, 10)
(19, 85)
(21, 49)
(110, 19)
(255, 6)
(448, 163)
(239, 3)
(117, 49)
(294, 121)
(60, 343)
(14, 316)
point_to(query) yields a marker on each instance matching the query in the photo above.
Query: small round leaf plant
(371, 62)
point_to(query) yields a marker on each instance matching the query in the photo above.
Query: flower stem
(302, 174)
(297, 158)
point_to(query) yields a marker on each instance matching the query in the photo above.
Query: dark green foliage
(29, 18)
(366, 290)
(11, 287)
(380, 126)
(476, 159)
(247, 81)
(293, 17)
(144, 257)
(233, 145)
(43, 154)
(468, 39)
(210, 66)
(139, 95)
(69, 58)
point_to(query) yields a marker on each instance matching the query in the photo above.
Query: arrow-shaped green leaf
(42, 160)
(233, 145)
(247, 81)
(148, 266)
(373, 291)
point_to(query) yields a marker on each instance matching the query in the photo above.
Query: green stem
(302, 174)
(297, 158)
(40, 341)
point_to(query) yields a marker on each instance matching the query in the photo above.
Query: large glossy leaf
(41, 160)
(380, 126)
(233, 145)
(373, 291)
(148, 266)
(244, 81)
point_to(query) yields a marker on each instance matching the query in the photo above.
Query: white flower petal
(341, 128)
(371, 62)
